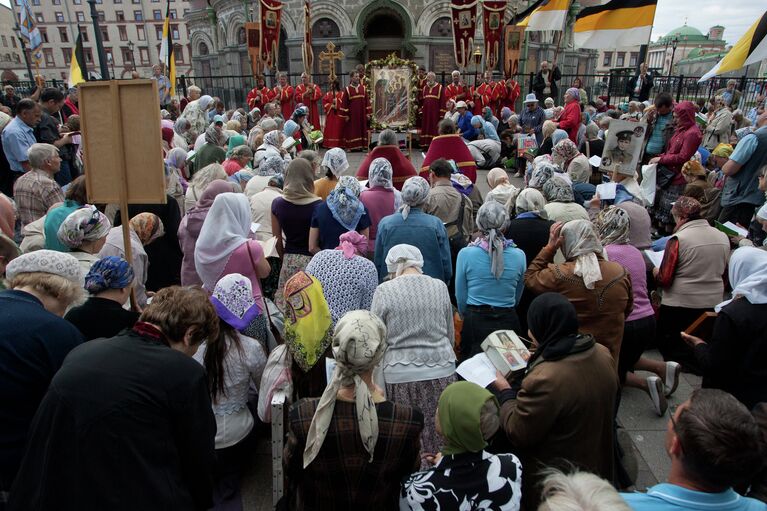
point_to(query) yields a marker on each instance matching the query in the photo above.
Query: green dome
(685, 30)
(695, 52)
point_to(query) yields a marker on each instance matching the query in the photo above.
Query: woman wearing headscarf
(109, 282)
(238, 159)
(592, 145)
(348, 278)
(691, 276)
(412, 226)
(224, 247)
(212, 151)
(734, 358)
(175, 162)
(700, 189)
(291, 219)
(145, 228)
(234, 363)
(486, 149)
(270, 166)
(191, 225)
(571, 161)
(419, 362)
(599, 289)
(380, 198)
(200, 182)
(488, 280)
(463, 471)
(543, 168)
(84, 232)
(334, 163)
(352, 433)
(487, 116)
(683, 144)
(341, 212)
(613, 227)
(570, 120)
(719, 125)
(562, 407)
(501, 190)
(560, 205)
(293, 130)
(196, 112)
(182, 134)
(547, 144)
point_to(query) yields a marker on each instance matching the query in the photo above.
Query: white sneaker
(655, 388)
(672, 377)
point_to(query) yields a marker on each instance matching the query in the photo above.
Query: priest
(309, 94)
(283, 94)
(355, 112)
(450, 146)
(457, 90)
(482, 95)
(507, 92)
(432, 108)
(259, 95)
(333, 103)
(388, 147)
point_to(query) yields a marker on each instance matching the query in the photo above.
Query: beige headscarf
(359, 342)
(299, 183)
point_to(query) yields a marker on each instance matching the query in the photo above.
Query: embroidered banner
(271, 14)
(493, 18)
(513, 46)
(464, 16)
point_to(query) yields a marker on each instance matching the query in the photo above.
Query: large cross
(330, 56)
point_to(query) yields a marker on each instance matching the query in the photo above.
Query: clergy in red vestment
(457, 90)
(483, 94)
(259, 95)
(356, 112)
(332, 103)
(432, 109)
(507, 93)
(388, 147)
(419, 89)
(309, 94)
(283, 94)
(450, 146)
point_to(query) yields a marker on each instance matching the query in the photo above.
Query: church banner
(271, 14)
(493, 17)
(513, 44)
(253, 33)
(464, 17)
(307, 53)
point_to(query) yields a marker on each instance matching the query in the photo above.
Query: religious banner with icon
(307, 53)
(392, 84)
(493, 18)
(513, 46)
(253, 36)
(464, 21)
(271, 14)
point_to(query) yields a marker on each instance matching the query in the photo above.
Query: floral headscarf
(414, 193)
(84, 224)
(686, 207)
(582, 246)
(109, 272)
(270, 166)
(273, 138)
(558, 136)
(564, 151)
(492, 219)
(381, 173)
(344, 202)
(234, 303)
(290, 128)
(530, 200)
(148, 227)
(308, 321)
(335, 161)
(542, 172)
(557, 189)
(214, 136)
(613, 226)
(176, 157)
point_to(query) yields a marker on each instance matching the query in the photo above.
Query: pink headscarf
(352, 243)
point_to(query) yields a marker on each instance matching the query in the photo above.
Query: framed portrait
(623, 145)
(392, 84)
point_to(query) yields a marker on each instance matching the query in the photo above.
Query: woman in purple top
(380, 198)
(613, 226)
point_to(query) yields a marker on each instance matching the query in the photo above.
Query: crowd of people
(139, 369)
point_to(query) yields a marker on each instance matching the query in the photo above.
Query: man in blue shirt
(163, 85)
(714, 444)
(464, 121)
(18, 136)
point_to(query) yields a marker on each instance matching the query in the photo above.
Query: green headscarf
(234, 141)
(458, 413)
(53, 220)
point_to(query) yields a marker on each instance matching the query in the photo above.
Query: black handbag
(458, 240)
(664, 176)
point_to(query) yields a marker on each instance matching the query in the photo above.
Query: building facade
(131, 31)
(668, 51)
(11, 57)
(617, 58)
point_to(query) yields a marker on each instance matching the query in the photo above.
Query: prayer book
(656, 258)
(506, 351)
(595, 161)
(730, 229)
(607, 191)
(478, 369)
(289, 143)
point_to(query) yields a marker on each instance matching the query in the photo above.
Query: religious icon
(494, 21)
(391, 95)
(464, 20)
(271, 19)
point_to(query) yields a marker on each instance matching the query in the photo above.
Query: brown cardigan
(602, 310)
(564, 411)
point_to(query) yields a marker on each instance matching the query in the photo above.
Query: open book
(506, 351)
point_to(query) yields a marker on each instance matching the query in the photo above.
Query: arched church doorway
(384, 32)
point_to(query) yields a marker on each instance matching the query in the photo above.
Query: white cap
(461, 104)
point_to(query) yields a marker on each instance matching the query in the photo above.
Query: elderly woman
(546, 142)
(334, 164)
(486, 149)
(348, 278)
(212, 151)
(542, 169)
(691, 276)
(560, 206)
(341, 212)
(234, 363)
(592, 145)
(270, 166)
(144, 229)
(613, 227)
(562, 409)
(84, 233)
(196, 113)
(571, 161)
(200, 182)
(380, 198)
(419, 361)
(570, 120)
(412, 226)
(109, 282)
(700, 189)
(175, 176)
(34, 340)
(501, 190)
(719, 125)
(291, 129)
(238, 158)
(488, 280)
(182, 134)
(599, 289)
(272, 145)
(733, 358)
(467, 417)
(388, 148)
(291, 219)
(352, 433)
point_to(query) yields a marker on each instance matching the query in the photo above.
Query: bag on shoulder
(276, 376)
(458, 240)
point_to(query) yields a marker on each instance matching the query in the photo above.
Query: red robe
(285, 97)
(450, 147)
(432, 111)
(356, 110)
(486, 97)
(402, 167)
(309, 96)
(257, 98)
(419, 116)
(333, 133)
(507, 96)
(456, 93)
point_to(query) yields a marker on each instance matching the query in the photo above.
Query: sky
(735, 15)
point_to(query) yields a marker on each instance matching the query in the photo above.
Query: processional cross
(330, 56)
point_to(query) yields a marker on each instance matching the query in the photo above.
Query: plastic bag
(276, 376)
(649, 174)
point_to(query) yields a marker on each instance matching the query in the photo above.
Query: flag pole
(561, 36)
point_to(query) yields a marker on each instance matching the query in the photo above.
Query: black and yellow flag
(78, 72)
(166, 51)
(750, 49)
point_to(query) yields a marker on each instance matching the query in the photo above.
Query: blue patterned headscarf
(109, 272)
(344, 202)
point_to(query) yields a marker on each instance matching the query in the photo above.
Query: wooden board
(122, 142)
(703, 327)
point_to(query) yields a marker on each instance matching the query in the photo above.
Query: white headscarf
(582, 244)
(335, 161)
(748, 276)
(225, 228)
(414, 193)
(401, 257)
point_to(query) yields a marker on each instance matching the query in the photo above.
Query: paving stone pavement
(642, 432)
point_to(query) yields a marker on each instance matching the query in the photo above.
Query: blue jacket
(464, 124)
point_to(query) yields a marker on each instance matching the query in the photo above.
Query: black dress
(126, 424)
(101, 317)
